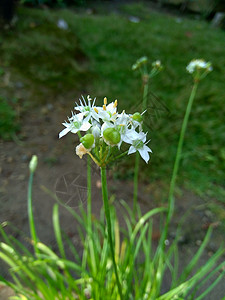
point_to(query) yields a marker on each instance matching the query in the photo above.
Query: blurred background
(52, 52)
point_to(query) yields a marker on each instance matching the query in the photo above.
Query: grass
(8, 120)
(96, 56)
(44, 53)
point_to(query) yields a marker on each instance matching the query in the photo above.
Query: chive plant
(110, 267)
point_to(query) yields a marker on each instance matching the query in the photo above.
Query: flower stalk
(109, 227)
(89, 191)
(141, 64)
(177, 161)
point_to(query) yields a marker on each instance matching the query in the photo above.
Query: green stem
(136, 171)
(89, 191)
(109, 228)
(177, 159)
(30, 213)
(145, 94)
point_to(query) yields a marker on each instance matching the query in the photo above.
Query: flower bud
(33, 163)
(137, 117)
(111, 136)
(157, 65)
(87, 140)
(141, 61)
(96, 132)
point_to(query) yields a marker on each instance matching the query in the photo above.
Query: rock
(5, 292)
(19, 85)
(25, 158)
(50, 106)
(9, 159)
(134, 19)
(198, 242)
(218, 20)
(21, 177)
(62, 24)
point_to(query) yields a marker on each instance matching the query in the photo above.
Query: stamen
(95, 109)
(115, 103)
(104, 107)
(114, 114)
(84, 101)
(105, 100)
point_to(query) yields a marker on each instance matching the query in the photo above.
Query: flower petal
(146, 148)
(64, 132)
(132, 150)
(144, 154)
(85, 126)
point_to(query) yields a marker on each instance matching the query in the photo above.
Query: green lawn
(95, 57)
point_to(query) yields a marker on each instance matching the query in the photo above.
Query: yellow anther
(105, 100)
(115, 103)
(114, 114)
(95, 109)
(104, 107)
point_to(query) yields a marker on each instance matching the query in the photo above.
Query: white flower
(198, 64)
(88, 109)
(138, 144)
(75, 124)
(108, 113)
(157, 64)
(104, 126)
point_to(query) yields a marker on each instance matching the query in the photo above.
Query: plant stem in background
(177, 160)
(109, 228)
(145, 92)
(137, 160)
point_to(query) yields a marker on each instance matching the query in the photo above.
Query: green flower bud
(141, 61)
(137, 117)
(33, 163)
(87, 140)
(111, 136)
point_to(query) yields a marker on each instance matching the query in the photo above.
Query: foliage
(60, 3)
(50, 275)
(8, 122)
(45, 53)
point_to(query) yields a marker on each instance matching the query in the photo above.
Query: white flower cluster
(106, 128)
(199, 65)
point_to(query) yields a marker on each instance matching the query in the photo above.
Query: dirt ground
(63, 173)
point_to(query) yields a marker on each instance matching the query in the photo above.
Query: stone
(218, 20)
